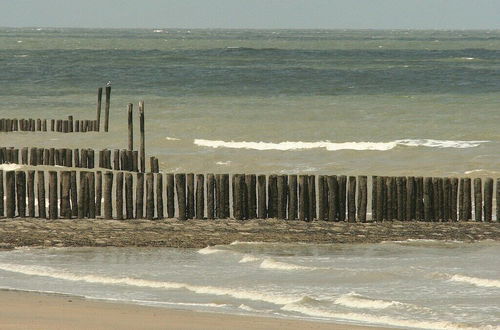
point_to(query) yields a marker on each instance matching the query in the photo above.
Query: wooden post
(303, 198)
(419, 194)
(351, 200)
(488, 199)
(90, 158)
(41, 194)
(53, 195)
(116, 159)
(180, 185)
(322, 201)
(446, 199)
(333, 198)
(82, 195)
(108, 189)
(99, 102)
(170, 196)
(150, 202)
(24, 155)
(1, 189)
(410, 198)
(10, 194)
(478, 200)
(428, 199)
(282, 190)
(210, 196)
(380, 198)
(65, 195)
(342, 181)
(272, 196)
(237, 196)
(374, 197)
(225, 193)
(467, 199)
(21, 193)
(98, 193)
(461, 196)
(129, 196)
(143, 138)
(200, 196)
(190, 196)
(159, 196)
(292, 197)
(31, 193)
(453, 199)
(389, 198)
(91, 195)
(261, 197)
(362, 197)
(106, 108)
(497, 197)
(130, 108)
(73, 194)
(139, 196)
(250, 183)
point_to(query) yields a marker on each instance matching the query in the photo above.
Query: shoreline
(202, 233)
(25, 309)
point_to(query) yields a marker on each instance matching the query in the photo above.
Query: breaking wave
(354, 300)
(269, 263)
(476, 281)
(334, 146)
(209, 250)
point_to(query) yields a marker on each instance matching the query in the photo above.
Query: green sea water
(284, 101)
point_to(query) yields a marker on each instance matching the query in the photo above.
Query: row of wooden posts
(126, 195)
(62, 125)
(125, 160)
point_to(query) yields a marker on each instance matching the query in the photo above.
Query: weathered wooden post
(130, 121)
(53, 195)
(119, 195)
(488, 199)
(311, 185)
(65, 195)
(362, 197)
(322, 201)
(1, 192)
(497, 197)
(150, 202)
(478, 200)
(190, 196)
(10, 194)
(410, 198)
(91, 196)
(41, 194)
(380, 198)
(143, 138)
(333, 198)
(237, 196)
(292, 197)
(108, 189)
(303, 198)
(351, 200)
(106, 108)
(272, 196)
(170, 196)
(21, 193)
(453, 199)
(467, 199)
(446, 199)
(250, 182)
(180, 185)
(31, 193)
(374, 197)
(129, 196)
(282, 191)
(98, 110)
(211, 196)
(98, 193)
(261, 197)
(139, 196)
(159, 196)
(116, 160)
(82, 195)
(200, 196)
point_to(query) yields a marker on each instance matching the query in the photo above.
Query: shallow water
(342, 102)
(411, 284)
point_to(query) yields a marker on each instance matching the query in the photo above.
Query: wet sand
(26, 310)
(202, 233)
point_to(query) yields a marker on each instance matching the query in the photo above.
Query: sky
(263, 14)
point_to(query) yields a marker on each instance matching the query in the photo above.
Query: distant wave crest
(476, 281)
(334, 146)
(269, 263)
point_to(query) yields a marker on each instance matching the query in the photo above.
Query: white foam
(354, 300)
(158, 31)
(127, 281)
(334, 146)
(269, 263)
(10, 167)
(209, 250)
(374, 319)
(227, 162)
(476, 281)
(248, 258)
(169, 138)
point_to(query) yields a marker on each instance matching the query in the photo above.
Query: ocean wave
(316, 311)
(248, 258)
(169, 138)
(134, 282)
(269, 263)
(335, 146)
(354, 300)
(209, 250)
(483, 282)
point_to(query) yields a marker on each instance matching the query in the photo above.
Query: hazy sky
(375, 14)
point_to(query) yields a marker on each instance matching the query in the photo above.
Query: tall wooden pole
(106, 109)
(142, 142)
(130, 127)
(99, 102)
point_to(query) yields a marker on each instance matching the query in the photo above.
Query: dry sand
(27, 310)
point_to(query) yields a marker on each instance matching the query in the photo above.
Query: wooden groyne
(126, 195)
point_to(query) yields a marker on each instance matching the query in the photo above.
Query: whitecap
(354, 300)
(335, 146)
(248, 258)
(269, 263)
(483, 282)
(227, 162)
(209, 250)
(168, 138)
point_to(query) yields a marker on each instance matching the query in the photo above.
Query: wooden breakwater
(125, 195)
(67, 125)
(117, 159)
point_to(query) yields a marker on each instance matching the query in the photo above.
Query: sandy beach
(26, 310)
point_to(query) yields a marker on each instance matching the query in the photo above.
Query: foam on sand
(334, 146)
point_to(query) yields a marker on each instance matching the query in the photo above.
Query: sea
(353, 102)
